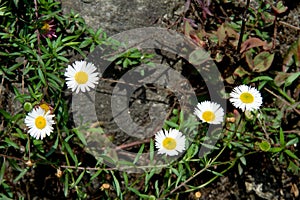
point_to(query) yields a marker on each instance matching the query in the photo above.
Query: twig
(199, 172)
(11, 157)
(243, 27)
(283, 100)
(2, 82)
(112, 168)
(124, 146)
(275, 33)
(37, 30)
(292, 131)
(289, 25)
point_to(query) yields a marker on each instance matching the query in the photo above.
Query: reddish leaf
(251, 43)
(292, 55)
(280, 8)
(240, 72)
(198, 56)
(280, 78)
(249, 59)
(221, 34)
(187, 28)
(231, 79)
(225, 32)
(262, 61)
(267, 17)
(219, 56)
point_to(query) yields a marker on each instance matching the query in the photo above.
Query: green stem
(291, 100)
(209, 164)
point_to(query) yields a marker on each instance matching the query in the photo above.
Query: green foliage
(32, 67)
(132, 57)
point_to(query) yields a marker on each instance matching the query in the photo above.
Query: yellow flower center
(246, 97)
(169, 143)
(45, 107)
(40, 122)
(208, 116)
(46, 27)
(81, 77)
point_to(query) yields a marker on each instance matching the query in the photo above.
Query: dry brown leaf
(251, 43)
(295, 190)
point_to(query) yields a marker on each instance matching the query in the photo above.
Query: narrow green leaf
(292, 142)
(125, 177)
(63, 59)
(108, 159)
(2, 171)
(291, 79)
(135, 191)
(14, 67)
(291, 154)
(11, 143)
(41, 76)
(171, 124)
(79, 51)
(192, 151)
(117, 185)
(86, 43)
(80, 135)
(281, 138)
(139, 153)
(5, 114)
(276, 149)
(149, 176)
(243, 160)
(66, 185)
(215, 173)
(68, 38)
(157, 190)
(262, 78)
(70, 152)
(240, 169)
(22, 173)
(96, 174)
(79, 178)
(71, 43)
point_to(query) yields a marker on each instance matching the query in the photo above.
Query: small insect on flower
(29, 163)
(58, 173)
(39, 123)
(170, 142)
(48, 29)
(81, 76)
(46, 107)
(105, 186)
(209, 112)
(245, 98)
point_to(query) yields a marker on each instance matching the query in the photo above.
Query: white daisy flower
(39, 123)
(209, 112)
(81, 76)
(245, 98)
(170, 142)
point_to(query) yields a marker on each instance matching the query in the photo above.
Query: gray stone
(117, 16)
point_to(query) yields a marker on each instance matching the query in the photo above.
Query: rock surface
(117, 16)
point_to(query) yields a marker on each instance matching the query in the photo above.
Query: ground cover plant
(44, 65)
